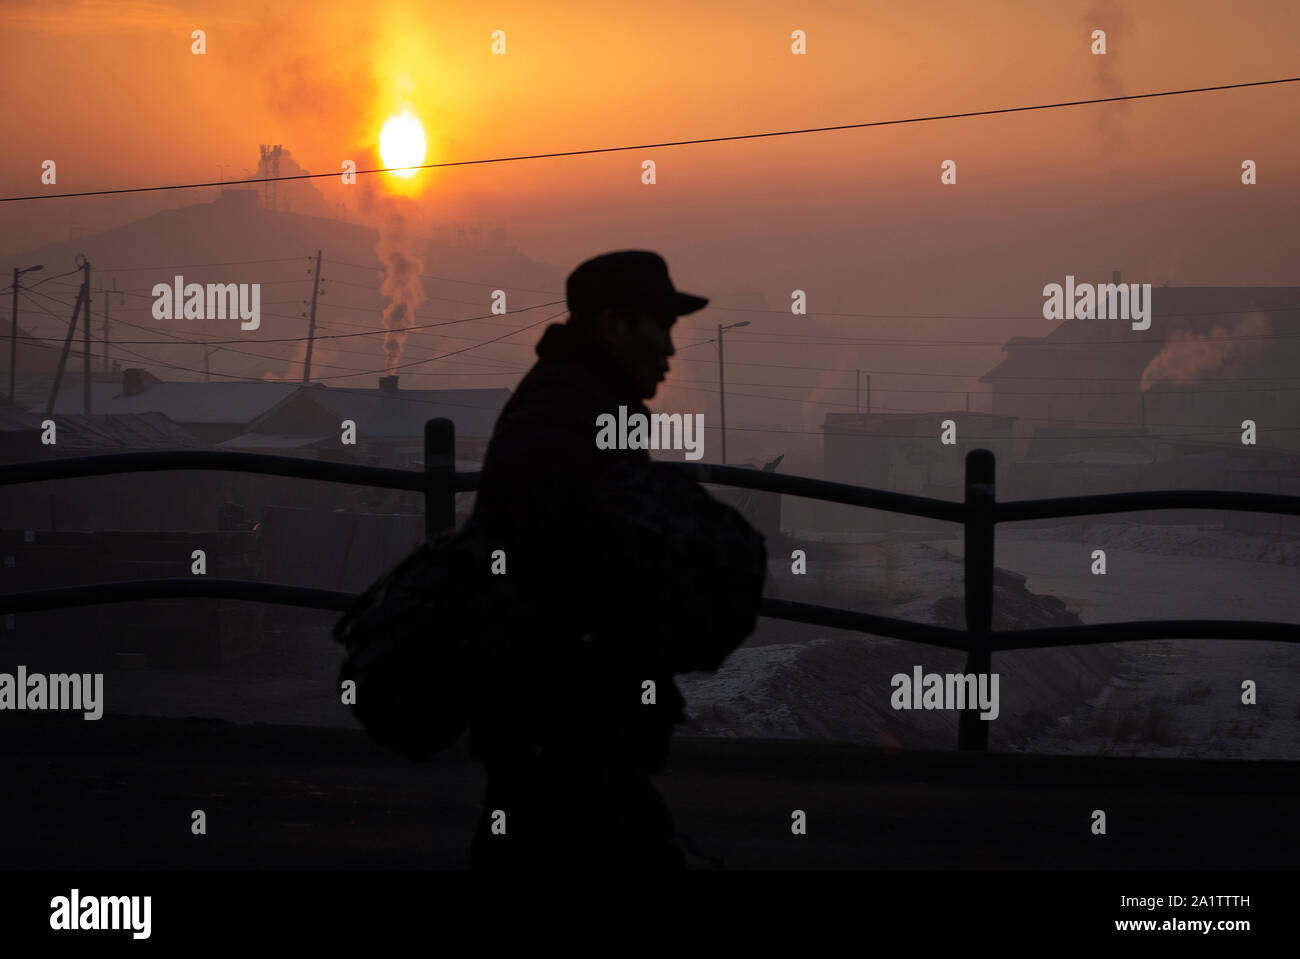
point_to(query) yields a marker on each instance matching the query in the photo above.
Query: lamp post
(722, 390)
(13, 335)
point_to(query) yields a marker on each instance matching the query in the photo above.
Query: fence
(439, 482)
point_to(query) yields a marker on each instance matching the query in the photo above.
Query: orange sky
(111, 91)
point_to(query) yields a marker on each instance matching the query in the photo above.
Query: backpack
(417, 641)
(694, 565)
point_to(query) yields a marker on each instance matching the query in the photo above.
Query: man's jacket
(625, 570)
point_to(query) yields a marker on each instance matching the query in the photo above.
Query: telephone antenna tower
(270, 167)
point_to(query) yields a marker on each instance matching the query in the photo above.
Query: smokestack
(132, 381)
(388, 383)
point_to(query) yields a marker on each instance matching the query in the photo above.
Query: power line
(44, 281)
(243, 377)
(668, 143)
(140, 293)
(185, 266)
(367, 286)
(509, 370)
(1000, 316)
(444, 279)
(463, 350)
(384, 370)
(816, 369)
(806, 339)
(814, 339)
(967, 376)
(813, 387)
(336, 336)
(367, 309)
(960, 317)
(900, 409)
(179, 340)
(44, 308)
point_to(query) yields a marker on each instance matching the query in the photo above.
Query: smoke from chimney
(1189, 356)
(401, 283)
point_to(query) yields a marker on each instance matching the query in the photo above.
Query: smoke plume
(1189, 356)
(401, 283)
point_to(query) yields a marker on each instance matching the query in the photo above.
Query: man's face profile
(641, 342)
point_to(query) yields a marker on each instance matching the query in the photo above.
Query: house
(144, 500)
(902, 451)
(1212, 357)
(213, 412)
(389, 423)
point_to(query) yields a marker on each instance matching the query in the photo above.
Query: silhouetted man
(627, 572)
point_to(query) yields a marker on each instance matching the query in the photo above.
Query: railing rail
(439, 482)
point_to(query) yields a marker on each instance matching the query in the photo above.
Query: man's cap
(627, 278)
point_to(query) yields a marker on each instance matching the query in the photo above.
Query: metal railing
(439, 482)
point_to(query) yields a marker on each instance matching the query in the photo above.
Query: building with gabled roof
(1212, 357)
(77, 434)
(213, 411)
(389, 422)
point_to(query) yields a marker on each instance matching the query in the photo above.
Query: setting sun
(402, 144)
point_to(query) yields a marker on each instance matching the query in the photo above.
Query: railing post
(439, 476)
(973, 732)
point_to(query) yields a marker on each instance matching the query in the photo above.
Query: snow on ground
(1180, 697)
(1183, 699)
(1159, 698)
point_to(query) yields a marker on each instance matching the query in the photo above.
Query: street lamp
(722, 390)
(13, 335)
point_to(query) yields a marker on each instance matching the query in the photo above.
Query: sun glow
(402, 144)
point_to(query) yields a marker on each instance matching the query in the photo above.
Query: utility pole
(107, 293)
(85, 340)
(270, 168)
(722, 389)
(13, 340)
(311, 329)
(83, 301)
(13, 335)
(722, 398)
(207, 370)
(121, 301)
